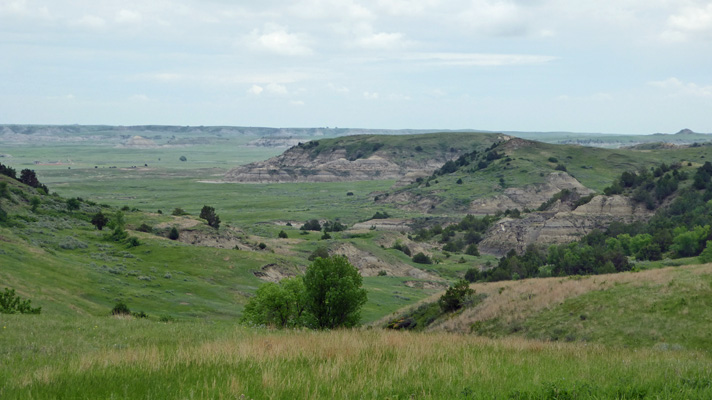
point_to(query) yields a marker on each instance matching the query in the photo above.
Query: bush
(179, 211)
(208, 214)
(183, 158)
(262, 246)
(456, 296)
(320, 252)
(10, 303)
(553, 160)
(311, 225)
(421, 258)
(72, 204)
(472, 250)
(560, 167)
(173, 234)
(99, 220)
(282, 235)
(380, 215)
(473, 275)
(120, 309)
(145, 228)
(325, 236)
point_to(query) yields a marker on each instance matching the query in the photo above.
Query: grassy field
(45, 357)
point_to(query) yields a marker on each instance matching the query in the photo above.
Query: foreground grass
(46, 357)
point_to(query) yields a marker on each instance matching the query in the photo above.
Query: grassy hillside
(522, 162)
(57, 258)
(665, 308)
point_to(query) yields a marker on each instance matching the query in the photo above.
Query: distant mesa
(686, 132)
(140, 142)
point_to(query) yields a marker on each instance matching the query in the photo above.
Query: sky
(611, 66)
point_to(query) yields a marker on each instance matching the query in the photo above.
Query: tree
(208, 214)
(334, 296)
(99, 220)
(280, 305)
(10, 303)
(456, 296)
(35, 202)
(73, 204)
(312, 225)
(173, 234)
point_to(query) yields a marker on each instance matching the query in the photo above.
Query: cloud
(370, 95)
(689, 23)
(381, 41)
(678, 87)
(276, 88)
(339, 88)
(277, 40)
(91, 21)
(492, 17)
(128, 17)
(297, 103)
(478, 59)
(256, 90)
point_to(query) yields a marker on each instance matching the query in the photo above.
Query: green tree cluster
(328, 296)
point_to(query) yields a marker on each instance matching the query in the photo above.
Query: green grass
(46, 357)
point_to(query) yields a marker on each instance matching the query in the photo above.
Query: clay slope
(561, 226)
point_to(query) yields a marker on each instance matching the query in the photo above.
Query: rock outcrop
(302, 165)
(531, 196)
(555, 227)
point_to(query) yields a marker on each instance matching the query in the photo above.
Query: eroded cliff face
(530, 196)
(562, 226)
(302, 165)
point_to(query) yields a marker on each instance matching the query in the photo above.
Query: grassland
(46, 357)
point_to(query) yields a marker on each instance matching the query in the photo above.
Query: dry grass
(516, 300)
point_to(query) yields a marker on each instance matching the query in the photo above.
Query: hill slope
(362, 157)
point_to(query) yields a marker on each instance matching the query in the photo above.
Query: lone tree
(208, 214)
(456, 296)
(334, 296)
(173, 234)
(99, 220)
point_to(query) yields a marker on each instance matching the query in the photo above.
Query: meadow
(119, 358)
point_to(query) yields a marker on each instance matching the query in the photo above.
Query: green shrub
(282, 235)
(262, 246)
(10, 303)
(421, 258)
(456, 296)
(173, 234)
(145, 228)
(120, 309)
(320, 252)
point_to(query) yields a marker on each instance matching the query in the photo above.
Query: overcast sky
(615, 66)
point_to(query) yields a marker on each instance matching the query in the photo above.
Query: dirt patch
(425, 285)
(275, 272)
(370, 265)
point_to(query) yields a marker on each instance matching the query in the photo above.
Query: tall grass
(124, 358)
